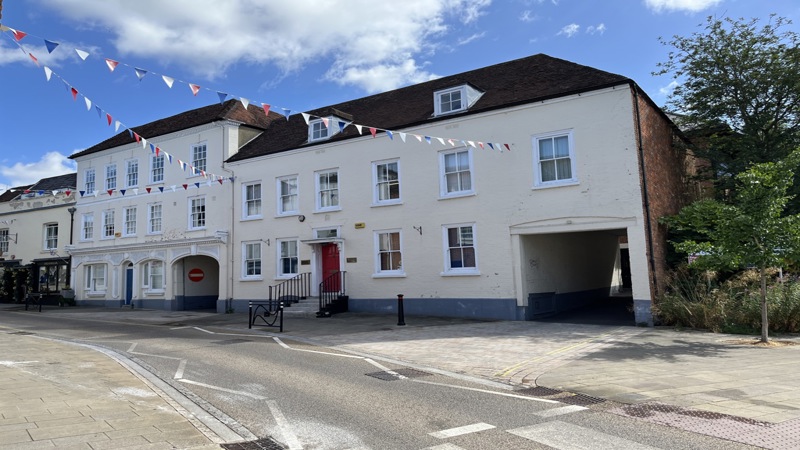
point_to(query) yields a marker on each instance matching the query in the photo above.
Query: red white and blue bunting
(209, 178)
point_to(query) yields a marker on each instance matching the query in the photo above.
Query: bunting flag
(50, 45)
(111, 64)
(141, 73)
(195, 89)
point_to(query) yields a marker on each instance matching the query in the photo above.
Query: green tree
(740, 83)
(750, 231)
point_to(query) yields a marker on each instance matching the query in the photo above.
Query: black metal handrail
(269, 311)
(292, 290)
(330, 289)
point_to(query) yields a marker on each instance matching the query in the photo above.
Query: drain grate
(394, 375)
(581, 400)
(266, 443)
(412, 373)
(539, 391)
(383, 375)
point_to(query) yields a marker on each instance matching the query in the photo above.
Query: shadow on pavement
(615, 311)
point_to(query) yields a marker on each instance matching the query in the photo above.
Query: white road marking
(560, 411)
(289, 438)
(224, 334)
(452, 432)
(222, 389)
(385, 369)
(180, 328)
(447, 446)
(282, 344)
(156, 356)
(502, 394)
(133, 346)
(566, 436)
(181, 367)
(16, 363)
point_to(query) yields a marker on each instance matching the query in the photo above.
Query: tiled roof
(58, 182)
(230, 110)
(13, 193)
(66, 181)
(517, 82)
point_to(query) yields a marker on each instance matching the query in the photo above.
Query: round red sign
(196, 275)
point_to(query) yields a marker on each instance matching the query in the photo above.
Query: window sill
(287, 214)
(555, 184)
(251, 279)
(389, 275)
(465, 273)
(379, 205)
(95, 293)
(327, 210)
(252, 218)
(154, 293)
(457, 195)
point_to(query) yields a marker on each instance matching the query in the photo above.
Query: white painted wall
(505, 203)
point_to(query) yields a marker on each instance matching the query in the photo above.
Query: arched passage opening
(196, 282)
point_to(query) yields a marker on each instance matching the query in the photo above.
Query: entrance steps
(306, 307)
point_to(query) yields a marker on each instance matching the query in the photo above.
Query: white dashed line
(467, 429)
(286, 430)
(560, 411)
(222, 389)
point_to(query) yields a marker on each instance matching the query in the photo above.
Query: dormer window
(452, 100)
(317, 130)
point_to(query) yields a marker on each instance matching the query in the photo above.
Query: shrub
(728, 302)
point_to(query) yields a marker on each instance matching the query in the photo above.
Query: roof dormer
(454, 99)
(323, 128)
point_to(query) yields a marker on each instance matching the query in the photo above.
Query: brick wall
(664, 182)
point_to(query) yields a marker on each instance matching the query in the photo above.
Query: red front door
(330, 266)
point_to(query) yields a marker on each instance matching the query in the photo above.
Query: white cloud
(13, 55)
(528, 16)
(570, 30)
(680, 5)
(467, 40)
(667, 90)
(50, 165)
(599, 29)
(355, 37)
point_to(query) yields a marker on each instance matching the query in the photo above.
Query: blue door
(129, 284)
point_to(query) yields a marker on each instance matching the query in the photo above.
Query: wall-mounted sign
(196, 275)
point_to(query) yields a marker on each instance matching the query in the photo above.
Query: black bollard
(401, 316)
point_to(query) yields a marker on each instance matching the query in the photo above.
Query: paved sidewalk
(68, 396)
(660, 375)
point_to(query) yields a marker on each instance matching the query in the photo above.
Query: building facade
(508, 192)
(35, 226)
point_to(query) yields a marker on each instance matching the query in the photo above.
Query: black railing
(332, 298)
(269, 311)
(292, 290)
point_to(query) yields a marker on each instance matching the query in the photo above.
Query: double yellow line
(508, 370)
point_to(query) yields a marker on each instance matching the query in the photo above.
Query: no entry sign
(196, 275)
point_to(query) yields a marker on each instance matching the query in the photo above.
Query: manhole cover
(266, 443)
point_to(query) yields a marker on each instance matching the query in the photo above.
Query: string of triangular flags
(112, 64)
(154, 149)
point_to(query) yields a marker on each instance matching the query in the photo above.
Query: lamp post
(71, 211)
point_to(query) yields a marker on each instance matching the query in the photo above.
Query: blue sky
(298, 55)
